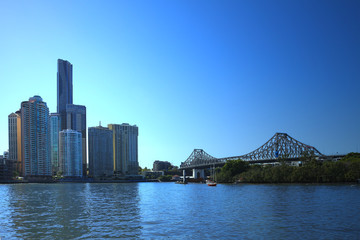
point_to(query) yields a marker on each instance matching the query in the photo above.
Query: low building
(7, 168)
(161, 165)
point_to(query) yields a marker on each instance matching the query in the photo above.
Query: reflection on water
(168, 210)
(35, 211)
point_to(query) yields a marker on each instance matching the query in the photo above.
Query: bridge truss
(280, 146)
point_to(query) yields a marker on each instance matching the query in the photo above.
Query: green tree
(351, 157)
(165, 178)
(231, 169)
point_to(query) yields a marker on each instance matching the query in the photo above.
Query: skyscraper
(64, 89)
(15, 140)
(100, 152)
(125, 145)
(35, 136)
(76, 120)
(54, 141)
(70, 157)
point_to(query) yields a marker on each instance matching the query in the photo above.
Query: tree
(231, 169)
(165, 178)
(351, 157)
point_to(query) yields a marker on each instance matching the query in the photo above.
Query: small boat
(209, 182)
(181, 182)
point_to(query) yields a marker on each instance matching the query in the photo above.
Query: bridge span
(281, 147)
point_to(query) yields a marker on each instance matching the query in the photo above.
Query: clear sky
(223, 76)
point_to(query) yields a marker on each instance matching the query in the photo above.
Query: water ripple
(172, 211)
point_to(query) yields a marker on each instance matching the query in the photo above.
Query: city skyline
(220, 76)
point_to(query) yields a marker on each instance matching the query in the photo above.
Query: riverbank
(310, 170)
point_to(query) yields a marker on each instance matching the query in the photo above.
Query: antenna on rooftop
(100, 123)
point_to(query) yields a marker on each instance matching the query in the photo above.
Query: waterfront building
(14, 122)
(54, 141)
(70, 153)
(35, 136)
(100, 152)
(76, 120)
(7, 167)
(161, 165)
(64, 89)
(125, 145)
(14, 128)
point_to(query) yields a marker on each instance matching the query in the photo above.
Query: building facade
(161, 165)
(54, 141)
(70, 153)
(76, 120)
(15, 140)
(64, 89)
(35, 138)
(125, 145)
(6, 167)
(100, 152)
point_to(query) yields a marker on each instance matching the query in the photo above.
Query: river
(176, 211)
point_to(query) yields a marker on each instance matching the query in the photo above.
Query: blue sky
(223, 76)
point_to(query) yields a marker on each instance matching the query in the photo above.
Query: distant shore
(72, 181)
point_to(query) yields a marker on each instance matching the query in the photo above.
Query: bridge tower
(198, 173)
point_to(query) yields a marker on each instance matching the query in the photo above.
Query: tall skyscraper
(54, 141)
(76, 120)
(70, 145)
(125, 145)
(100, 152)
(35, 136)
(64, 89)
(15, 140)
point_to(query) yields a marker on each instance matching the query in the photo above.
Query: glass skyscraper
(64, 89)
(125, 144)
(76, 120)
(35, 138)
(70, 157)
(100, 152)
(54, 141)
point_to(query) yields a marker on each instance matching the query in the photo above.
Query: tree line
(310, 171)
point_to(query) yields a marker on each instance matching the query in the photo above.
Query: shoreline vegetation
(310, 171)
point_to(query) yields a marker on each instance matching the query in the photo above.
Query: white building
(70, 153)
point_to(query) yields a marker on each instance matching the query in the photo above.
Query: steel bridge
(280, 147)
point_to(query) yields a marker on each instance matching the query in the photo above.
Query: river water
(176, 211)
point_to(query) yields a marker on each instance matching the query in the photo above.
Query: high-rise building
(76, 120)
(70, 157)
(15, 140)
(100, 152)
(125, 145)
(35, 137)
(54, 141)
(64, 89)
